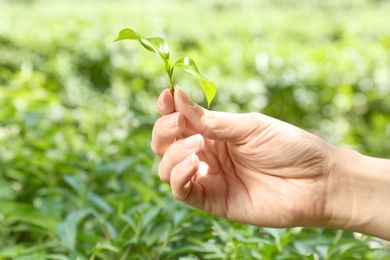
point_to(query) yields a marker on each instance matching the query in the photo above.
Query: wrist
(359, 193)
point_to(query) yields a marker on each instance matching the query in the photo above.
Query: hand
(246, 167)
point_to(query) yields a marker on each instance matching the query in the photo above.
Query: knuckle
(182, 193)
(210, 121)
(177, 195)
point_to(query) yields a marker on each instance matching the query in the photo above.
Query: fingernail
(186, 99)
(191, 142)
(171, 121)
(188, 161)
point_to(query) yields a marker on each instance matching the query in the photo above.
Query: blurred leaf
(99, 201)
(277, 234)
(303, 247)
(178, 216)
(23, 250)
(76, 182)
(105, 246)
(147, 192)
(108, 229)
(222, 234)
(256, 255)
(118, 167)
(57, 257)
(215, 256)
(26, 213)
(345, 249)
(150, 216)
(68, 229)
(271, 250)
(130, 221)
(157, 233)
(251, 239)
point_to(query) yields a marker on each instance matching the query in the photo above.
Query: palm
(261, 182)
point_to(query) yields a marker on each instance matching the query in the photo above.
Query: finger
(176, 153)
(231, 127)
(165, 104)
(166, 130)
(184, 187)
(181, 177)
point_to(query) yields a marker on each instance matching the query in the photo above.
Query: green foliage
(77, 177)
(159, 45)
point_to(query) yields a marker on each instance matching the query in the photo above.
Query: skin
(259, 170)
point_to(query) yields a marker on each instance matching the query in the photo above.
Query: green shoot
(159, 46)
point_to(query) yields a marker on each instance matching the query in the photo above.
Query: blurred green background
(77, 177)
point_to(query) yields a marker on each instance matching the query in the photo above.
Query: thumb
(221, 126)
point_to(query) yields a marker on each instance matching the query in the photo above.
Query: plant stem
(171, 86)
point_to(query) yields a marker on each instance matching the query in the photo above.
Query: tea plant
(77, 176)
(159, 46)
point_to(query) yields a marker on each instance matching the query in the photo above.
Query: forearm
(359, 192)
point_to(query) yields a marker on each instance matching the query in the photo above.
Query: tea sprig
(159, 46)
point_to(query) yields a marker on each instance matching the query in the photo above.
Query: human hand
(246, 167)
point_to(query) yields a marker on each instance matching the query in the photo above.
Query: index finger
(165, 131)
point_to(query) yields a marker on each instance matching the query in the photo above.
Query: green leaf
(149, 217)
(159, 46)
(99, 201)
(127, 34)
(68, 229)
(209, 89)
(105, 246)
(189, 66)
(155, 44)
(22, 249)
(26, 213)
(222, 234)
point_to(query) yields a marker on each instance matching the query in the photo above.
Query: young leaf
(209, 89)
(127, 34)
(155, 44)
(189, 66)
(159, 46)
